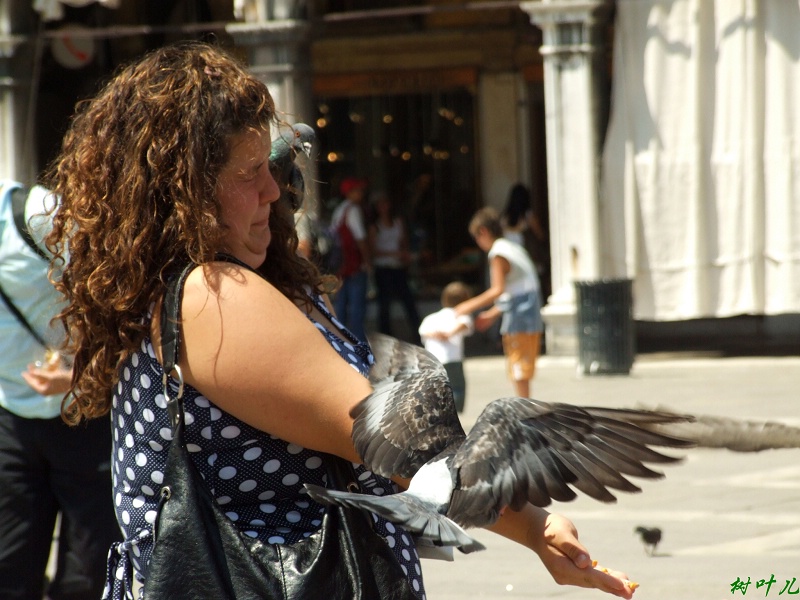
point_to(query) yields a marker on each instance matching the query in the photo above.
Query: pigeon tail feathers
(405, 510)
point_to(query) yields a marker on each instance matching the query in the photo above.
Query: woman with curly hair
(168, 166)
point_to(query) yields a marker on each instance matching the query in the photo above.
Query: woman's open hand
(569, 562)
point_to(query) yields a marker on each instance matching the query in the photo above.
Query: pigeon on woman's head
(519, 450)
(290, 142)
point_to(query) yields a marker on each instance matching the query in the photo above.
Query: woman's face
(246, 191)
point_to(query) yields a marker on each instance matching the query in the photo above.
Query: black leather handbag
(199, 553)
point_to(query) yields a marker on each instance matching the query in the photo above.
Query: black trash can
(605, 326)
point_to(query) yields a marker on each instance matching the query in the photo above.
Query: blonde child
(443, 335)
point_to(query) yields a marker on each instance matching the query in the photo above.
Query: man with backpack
(46, 467)
(350, 301)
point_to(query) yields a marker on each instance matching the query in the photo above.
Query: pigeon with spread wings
(519, 450)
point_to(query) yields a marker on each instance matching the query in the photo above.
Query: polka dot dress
(256, 478)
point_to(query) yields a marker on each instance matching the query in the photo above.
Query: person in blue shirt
(46, 467)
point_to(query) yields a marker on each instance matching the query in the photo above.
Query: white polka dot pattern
(256, 477)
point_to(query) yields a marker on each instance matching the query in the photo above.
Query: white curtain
(701, 168)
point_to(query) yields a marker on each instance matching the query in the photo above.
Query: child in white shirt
(443, 334)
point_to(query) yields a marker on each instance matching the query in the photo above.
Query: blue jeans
(350, 303)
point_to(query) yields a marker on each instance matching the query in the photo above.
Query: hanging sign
(71, 48)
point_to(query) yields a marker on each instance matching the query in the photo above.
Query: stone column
(279, 52)
(18, 80)
(573, 49)
(501, 160)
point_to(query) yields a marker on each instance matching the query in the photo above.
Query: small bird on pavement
(651, 536)
(519, 450)
(285, 149)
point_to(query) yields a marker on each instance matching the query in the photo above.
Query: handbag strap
(21, 318)
(341, 474)
(19, 198)
(171, 315)
(170, 343)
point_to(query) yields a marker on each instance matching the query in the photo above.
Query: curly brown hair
(136, 181)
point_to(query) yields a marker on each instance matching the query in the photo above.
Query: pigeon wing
(522, 450)
(281, 164)
(394, 357)
(713, 431)
(405, 510)
(296, 187)
(410, 416)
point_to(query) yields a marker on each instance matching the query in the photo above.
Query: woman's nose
(271, 191)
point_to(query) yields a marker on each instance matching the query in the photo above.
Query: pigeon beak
(307, 148)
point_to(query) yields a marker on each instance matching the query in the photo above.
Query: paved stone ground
(725, 515)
